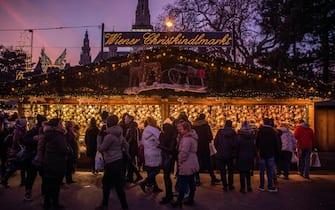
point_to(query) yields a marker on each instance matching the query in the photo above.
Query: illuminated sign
(190, 39)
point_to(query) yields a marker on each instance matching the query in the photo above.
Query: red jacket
(305, 137)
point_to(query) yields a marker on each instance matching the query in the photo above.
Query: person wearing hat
(225, 142)
(245, 151)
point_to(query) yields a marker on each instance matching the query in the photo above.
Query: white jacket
(150, 141)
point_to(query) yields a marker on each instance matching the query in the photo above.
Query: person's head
(228, 124)
(266, 121)
(302, 122)
(22, 122)
(128, 119)
(168, 121)
(150, 121)
(201, 116)
(245, 125)
(112, 120)
(124, 116)
(55, 122)
(93, 122)
(183, 127)
(183, 116)
(69, 125)
(40, 119)
(104, 115)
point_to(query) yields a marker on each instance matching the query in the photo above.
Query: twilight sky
(40, 14)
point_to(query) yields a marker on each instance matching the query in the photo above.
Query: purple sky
(36, 14)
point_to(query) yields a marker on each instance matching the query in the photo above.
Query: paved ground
(294, 194)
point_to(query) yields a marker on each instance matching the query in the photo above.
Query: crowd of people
(50, 148)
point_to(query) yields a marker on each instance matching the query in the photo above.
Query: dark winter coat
(91, 135)
(267, 142)
(245, 149)
(225, 143)
(168, 141)
(205, 136)
(54, 160)
(132, 135)
(29, 141)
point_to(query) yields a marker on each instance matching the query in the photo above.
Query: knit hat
(22, 122)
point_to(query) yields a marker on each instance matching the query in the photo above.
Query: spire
(142, 21)
(85, 56)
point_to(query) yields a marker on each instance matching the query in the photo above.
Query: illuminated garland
(223, 78)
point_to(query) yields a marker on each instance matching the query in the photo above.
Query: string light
(114, 83)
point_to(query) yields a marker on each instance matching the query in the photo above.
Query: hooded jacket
(112, 144)
(205, 136)
(187, 153)
(246, 149)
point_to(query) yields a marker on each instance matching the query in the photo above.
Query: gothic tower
(85, 56)
(142, 22)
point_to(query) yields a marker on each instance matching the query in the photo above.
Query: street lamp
(169, 23)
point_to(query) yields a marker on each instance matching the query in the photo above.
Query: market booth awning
(221, 79)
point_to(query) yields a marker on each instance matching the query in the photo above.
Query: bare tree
(238, 17)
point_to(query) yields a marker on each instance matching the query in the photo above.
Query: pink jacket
(187, 154)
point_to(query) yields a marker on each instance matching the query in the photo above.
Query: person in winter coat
(111, 147)
(205, 136)
(5, 134)
(288, 143)
(132, 135)
(54, 162)
(267, 145)
(72, 155)
(152, 154)
(168, 142)
(16, 145)
(91, 135)
(245, 151)
(30, 143)
(188, 165)
(305, 143)
(225, 142)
